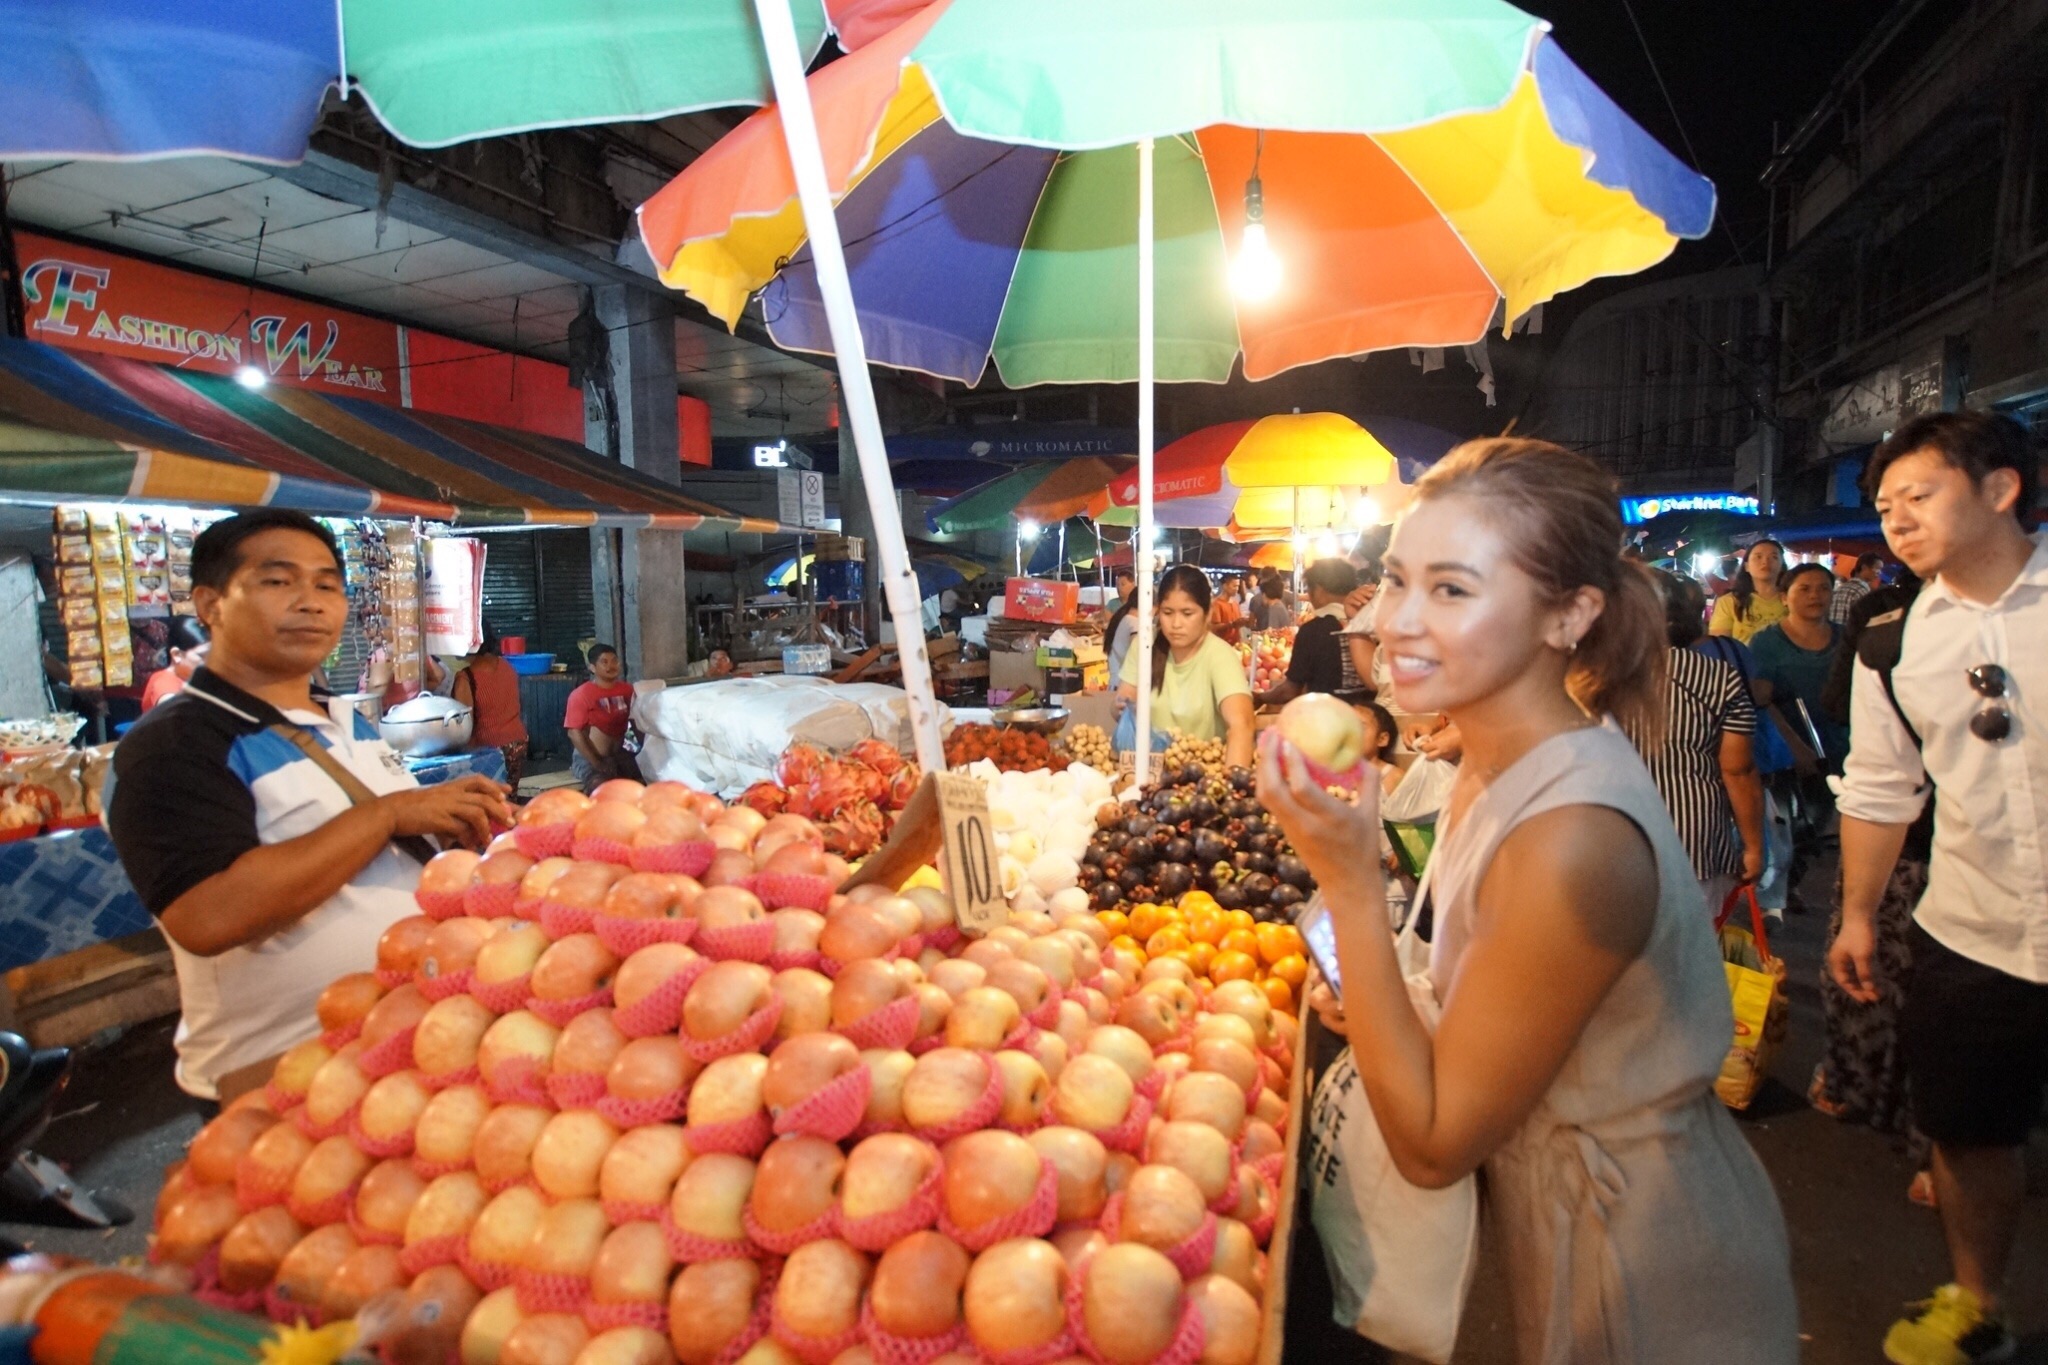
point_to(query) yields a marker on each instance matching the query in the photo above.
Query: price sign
(971, 867)
(1126, 768)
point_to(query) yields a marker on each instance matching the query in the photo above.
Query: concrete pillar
(637, 576)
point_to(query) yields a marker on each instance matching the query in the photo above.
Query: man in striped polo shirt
(268, 828)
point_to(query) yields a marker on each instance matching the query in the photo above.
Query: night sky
(1732, 67)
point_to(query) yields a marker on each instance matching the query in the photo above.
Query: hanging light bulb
(1028, 529)
(1365, 513)
(249, 377)
(1255, 274)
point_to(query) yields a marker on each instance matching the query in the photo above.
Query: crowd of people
(1573, 893)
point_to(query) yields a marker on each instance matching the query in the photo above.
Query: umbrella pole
(1141, 557)
(899, 583)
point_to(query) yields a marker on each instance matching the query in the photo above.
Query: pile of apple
(1266, 656)
(587, 1112)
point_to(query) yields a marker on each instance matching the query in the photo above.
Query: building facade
(1910, 238)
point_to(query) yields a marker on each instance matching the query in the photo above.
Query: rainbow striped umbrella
(1289, 470)
(1414, 166)
(1044, 493)
(150, 78)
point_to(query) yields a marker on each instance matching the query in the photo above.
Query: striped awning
(86, 426)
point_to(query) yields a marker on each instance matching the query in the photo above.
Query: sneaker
(1951, 1328)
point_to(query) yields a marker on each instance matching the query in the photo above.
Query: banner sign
(452, 610)
(1636, 511)
(87, 299)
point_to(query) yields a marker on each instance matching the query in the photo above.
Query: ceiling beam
(348, 183)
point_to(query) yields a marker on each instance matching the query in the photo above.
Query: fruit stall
(640, 1083)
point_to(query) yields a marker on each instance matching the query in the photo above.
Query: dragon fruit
(857, 831)
(799, 765)
(902, 786)
(765, 797)
(876, 755)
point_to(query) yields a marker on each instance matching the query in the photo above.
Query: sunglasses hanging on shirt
(1994, 722)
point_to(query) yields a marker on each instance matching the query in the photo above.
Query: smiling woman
(1585, 1014)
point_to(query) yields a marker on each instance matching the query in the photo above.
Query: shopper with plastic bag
(1585, 1013)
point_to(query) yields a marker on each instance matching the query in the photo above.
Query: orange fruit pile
(1218, 945)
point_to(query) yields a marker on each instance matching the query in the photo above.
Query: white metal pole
(899, 583)
(1141, 557)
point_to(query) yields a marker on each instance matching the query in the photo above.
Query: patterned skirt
(1862, 1074)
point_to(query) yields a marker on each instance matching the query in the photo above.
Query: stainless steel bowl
(1039, 720)
(426, 726)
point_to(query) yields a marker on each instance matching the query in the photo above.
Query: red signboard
(88, 299)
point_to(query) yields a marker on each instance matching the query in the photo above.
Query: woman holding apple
(1585, 1011)
(1198, 683)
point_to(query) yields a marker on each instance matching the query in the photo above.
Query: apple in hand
(1328, 734)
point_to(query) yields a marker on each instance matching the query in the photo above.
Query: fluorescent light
(249, 377)
(1256, 272)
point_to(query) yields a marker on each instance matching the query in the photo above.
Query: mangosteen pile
(1197, 830)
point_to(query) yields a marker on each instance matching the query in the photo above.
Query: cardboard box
(1009, 670)
(1041, 599)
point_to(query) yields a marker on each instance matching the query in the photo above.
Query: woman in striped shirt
(1704, 769)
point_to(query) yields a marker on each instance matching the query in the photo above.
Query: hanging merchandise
(453, 606)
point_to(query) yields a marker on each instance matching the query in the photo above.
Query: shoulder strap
(413, 845)
(1879, 649)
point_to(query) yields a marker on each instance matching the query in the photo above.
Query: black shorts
(1976, 1048)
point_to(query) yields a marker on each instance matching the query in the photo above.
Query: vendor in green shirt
(1198, 681)
(1795, 656)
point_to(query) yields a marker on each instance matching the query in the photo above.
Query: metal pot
(426, 726)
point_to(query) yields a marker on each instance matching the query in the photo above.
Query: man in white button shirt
(1974, 659)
